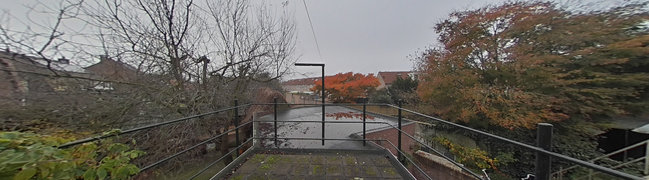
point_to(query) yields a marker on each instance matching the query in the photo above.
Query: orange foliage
(522, 63)
(482, 70)
(345, 87)
(350, 115)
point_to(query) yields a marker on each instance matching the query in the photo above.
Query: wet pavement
(314, 130)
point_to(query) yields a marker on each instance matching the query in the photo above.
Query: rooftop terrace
(315, 164)
(293, 144)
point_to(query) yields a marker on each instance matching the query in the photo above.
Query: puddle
(314, 130)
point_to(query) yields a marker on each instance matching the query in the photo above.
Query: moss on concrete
(317, 170)
(317, 166)
(350, 160)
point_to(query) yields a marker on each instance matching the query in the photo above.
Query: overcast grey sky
(364, 36)
(368, 36)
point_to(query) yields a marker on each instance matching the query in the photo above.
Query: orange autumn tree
(522, 63)
(345, 87)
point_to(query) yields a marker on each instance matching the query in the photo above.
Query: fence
(590, 174)
(542, 151)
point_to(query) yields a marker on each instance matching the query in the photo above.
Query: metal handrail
(418, 168)
(339, 139)
(326, 104)
(91, 139)
(616, 166)
(342, 122)
(621, 150)
(97, 138)
(190, 148)
(391, 126)
(220, 159)
(530, 147)
(604, 156)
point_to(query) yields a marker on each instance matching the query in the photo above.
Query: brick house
(111, 70)
(299, 90)
(386, 78)
(299, 85)
(24, 79)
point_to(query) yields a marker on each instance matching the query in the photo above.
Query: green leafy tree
(381, 96)
(404, 89)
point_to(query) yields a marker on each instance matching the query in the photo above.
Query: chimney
(103, 58)
(63, 60)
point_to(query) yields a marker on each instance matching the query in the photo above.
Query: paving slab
(315, 166)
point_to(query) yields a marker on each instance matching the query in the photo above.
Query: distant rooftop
(391, 76)
(303, 81)
(61, 64)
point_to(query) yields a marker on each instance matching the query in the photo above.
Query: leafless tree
(249, 41)
(190, 56)
(46, 40)
(194, 54)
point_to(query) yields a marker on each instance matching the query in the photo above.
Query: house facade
(303, 85)
(299, 90)
(27, 80)
(24, 79)
(386, 78)
(111, 71)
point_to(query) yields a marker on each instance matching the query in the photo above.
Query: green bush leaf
(133, 169)
(101, 173)
(90, 174)
(33, 156)
(25, 174)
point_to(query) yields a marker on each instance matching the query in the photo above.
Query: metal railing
(543, 153)
(238, 126)
(645, 159)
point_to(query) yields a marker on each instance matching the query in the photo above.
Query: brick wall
(391, 134)
(437, 168)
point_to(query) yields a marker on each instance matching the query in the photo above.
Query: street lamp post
(322, 93)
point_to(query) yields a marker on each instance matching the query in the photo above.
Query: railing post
(646, 158)
(236, 125)
(626, 144)
(364, 115)
(543, 141)
(399, 136)
(323, 104)
(275, 118)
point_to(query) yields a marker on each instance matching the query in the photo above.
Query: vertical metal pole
(399, 141)
(323, 105)
(364, 107)
(646, 158)
(544, 141)
(626, 144)
(236, 124)
(275, 118)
